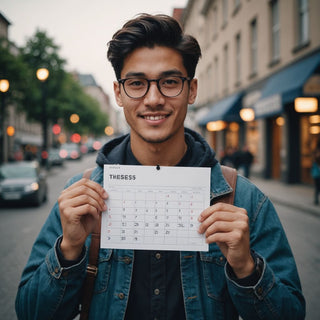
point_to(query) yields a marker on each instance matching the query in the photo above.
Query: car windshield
(15, 172)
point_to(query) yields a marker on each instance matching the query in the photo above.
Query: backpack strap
(92, 267)
(230, 174)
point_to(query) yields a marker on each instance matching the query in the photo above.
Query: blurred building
(90, 86)
(21, 137)
(4, 26)
(257, 58)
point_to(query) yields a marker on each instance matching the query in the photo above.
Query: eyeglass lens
(138, 87)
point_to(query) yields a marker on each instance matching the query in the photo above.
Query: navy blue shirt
(156, 291)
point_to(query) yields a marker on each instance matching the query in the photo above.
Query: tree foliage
(92, 120)
(63, 94)
(16, 71)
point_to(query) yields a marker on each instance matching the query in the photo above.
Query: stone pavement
(297, 196)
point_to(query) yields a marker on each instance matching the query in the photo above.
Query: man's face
(155, 118)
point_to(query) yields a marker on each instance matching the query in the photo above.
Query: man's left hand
(228, 226)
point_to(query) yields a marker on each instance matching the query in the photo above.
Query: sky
(81, 28)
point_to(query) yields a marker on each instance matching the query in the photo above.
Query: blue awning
(285, 85)
(226, 110)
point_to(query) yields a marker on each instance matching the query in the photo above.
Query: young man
(249, 269)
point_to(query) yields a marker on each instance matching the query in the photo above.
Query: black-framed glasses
(170, 86)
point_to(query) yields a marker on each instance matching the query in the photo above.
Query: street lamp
(42, 75)
(4, 87)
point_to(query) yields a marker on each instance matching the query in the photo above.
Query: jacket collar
(218, 185)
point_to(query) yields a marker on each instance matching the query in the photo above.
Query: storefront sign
(268, 106)
(251, 98)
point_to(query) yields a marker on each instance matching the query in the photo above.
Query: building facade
(258, 56)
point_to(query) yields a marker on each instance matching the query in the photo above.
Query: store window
(252, 137)
(309, 136)
(232, 135)
(277, 145)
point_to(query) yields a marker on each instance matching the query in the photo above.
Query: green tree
(40, 51)
(92, 120)
(64, 95)
(14, 69)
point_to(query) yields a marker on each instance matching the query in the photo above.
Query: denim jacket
(48, 291)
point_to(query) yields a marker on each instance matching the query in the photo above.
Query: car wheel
(38, 200)
(45, 196)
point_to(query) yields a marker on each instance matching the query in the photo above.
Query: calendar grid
(161, 217)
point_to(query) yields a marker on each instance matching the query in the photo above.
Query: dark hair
(148, 31)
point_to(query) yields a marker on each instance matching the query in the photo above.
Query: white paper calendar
(154, 208)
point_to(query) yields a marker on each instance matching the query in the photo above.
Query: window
(236, 3)
(215, 22)
(216, 77)
(238, 59)
(236, 6)
(275, 30)
(224, 12)
(254, 47)
(303, 21)
(225, 68)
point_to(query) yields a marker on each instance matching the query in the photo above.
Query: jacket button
(121, 296)
(127, 260)
(260, 290)
(156, 292)
(56, 270)
(158, 256)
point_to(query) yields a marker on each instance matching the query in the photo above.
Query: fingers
(226, 233)
(83, 195)
(84, 184)
(78, 206)
(223, 218)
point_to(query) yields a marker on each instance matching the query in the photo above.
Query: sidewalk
(297, 196)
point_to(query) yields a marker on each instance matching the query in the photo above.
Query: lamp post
(4, 87)
(42, 75)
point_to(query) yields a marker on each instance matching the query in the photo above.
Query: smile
(155, 118)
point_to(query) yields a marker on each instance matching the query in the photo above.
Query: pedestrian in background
(227, 158)
(315, 173)
(246, 161)
(249, 270)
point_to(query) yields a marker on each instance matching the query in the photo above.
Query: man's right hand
(80, 207)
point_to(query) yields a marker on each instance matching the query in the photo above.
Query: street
(303, 233)
(20, 226)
